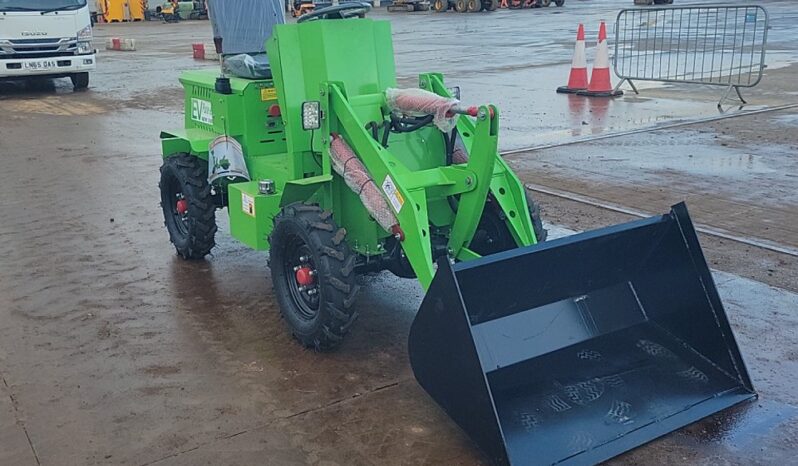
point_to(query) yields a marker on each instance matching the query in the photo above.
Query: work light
(311, 115)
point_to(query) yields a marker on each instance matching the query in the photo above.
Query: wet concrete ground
(113, 351)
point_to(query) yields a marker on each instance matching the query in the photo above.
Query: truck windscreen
(39, 5)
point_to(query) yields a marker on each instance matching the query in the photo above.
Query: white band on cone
(602, 55)
(580, 60)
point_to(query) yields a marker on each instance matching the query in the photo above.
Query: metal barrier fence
(702, 44)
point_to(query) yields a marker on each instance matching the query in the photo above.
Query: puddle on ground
(787, 120)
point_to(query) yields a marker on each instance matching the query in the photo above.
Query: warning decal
(248, 204)
(268, 93)
(393, 194)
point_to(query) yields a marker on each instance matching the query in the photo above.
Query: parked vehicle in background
(46, 39)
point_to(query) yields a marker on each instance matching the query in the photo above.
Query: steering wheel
(341, 11)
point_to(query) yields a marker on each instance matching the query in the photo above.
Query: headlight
(85, 33)
(311, 115)
(84, 48)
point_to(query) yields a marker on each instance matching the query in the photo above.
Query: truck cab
(46, 39)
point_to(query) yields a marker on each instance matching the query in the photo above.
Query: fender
(189, 141)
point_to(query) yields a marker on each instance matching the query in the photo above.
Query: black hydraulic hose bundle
(398, 125)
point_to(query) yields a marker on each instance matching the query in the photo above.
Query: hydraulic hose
(450, 140)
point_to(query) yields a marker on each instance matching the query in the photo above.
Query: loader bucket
(576, 350)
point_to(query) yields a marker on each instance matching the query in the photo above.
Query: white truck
(46, 39)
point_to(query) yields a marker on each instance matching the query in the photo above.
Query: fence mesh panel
(708, 44)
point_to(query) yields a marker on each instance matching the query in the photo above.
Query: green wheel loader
(568, 351)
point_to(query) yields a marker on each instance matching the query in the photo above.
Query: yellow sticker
(392, 193)
(268, 93)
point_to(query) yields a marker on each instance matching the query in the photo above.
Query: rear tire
(545, 3)
(185, 178)
(490, 5)
(492, 234)
(559, 2)
(320, 314)
(79, 81)
(473, 6)
(440, 5)
(460, 6)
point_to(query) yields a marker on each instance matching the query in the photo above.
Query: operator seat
(244, 26)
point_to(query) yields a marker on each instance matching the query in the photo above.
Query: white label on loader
(248, 204)
(393, 194)
(201, 111)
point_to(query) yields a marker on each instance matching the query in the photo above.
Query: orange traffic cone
(577, 80)
(600, 81)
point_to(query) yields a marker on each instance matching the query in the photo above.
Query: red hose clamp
(474, 111)
(397, 232)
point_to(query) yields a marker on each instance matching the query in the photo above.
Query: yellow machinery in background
(302, 7)
(116, 11)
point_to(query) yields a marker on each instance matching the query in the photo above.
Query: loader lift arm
(415, 187)
(505, 186)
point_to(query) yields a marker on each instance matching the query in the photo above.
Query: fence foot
(618, 86)
(634, 88)
(726, 96)
(739, 96)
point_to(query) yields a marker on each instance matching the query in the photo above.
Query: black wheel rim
(305, 299)
(174, 193)
(491, 235)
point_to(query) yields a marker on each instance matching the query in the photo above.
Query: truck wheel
(460, 6)
(313, 274)
(80, 80)
(545, 3)
(440, 5)
(559, 2)
(188, 208)
(473, 6)
(490, 5)
(492, 235)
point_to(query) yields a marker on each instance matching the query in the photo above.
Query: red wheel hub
(304, 276)
(181, 206)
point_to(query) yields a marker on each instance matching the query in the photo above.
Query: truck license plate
(40, 65)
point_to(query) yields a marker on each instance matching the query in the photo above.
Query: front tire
(492, 234)
(188, 207)
(80, 81)
(313, 274)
